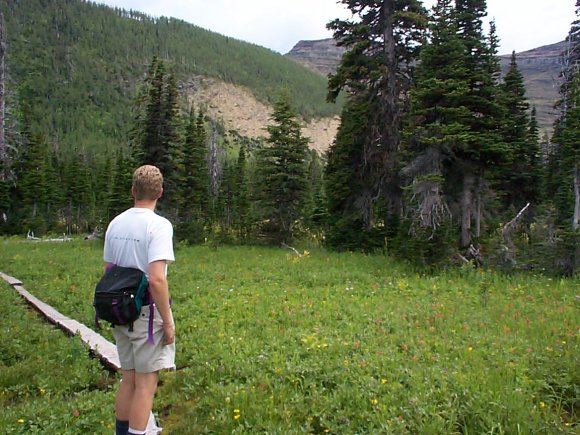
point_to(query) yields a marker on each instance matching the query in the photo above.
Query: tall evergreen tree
(346, 228)
(382, 44)
(564, 158)
(194, 188)
(32, 186)
(518, 178)
(483, 146)
(119, 198)
(437, 123)
(281, 168)
(80, 205)
(155, 134)
(55, 193)
(455, 114)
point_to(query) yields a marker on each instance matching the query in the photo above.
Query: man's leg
(142, 403)
(124, 400)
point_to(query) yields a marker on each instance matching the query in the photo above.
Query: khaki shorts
(136, 353)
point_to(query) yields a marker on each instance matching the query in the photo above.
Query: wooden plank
(9, 279)
(101, 347)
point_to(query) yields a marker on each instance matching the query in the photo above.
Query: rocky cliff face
(540, 68)
(322, 56)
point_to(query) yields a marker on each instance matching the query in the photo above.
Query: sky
(280, 24)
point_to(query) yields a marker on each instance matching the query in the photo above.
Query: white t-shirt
(137, 237)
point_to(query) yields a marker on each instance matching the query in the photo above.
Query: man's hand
(168, 333)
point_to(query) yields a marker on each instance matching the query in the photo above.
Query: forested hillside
(74, 66)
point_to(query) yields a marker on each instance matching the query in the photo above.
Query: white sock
(135, 431)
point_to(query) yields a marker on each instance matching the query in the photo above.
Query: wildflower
(383, 381)
(20, 420)
(236, 414)
(374, 401)
(542, 405)
(469, 349)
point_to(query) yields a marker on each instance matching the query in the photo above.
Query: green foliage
(347, 226)
(196, 170)
(156, 140)
(282, 173)
(280, 342)
(455, 108)
(518, 177)
(382, 41)
(119, 197)
(48, 382)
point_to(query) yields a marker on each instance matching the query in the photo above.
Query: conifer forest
(438, 159)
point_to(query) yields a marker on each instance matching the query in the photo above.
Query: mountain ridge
(540, 67)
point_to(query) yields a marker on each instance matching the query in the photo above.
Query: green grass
(48, 382)
(269, 342)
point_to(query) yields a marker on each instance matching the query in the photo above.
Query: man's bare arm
(160, 293)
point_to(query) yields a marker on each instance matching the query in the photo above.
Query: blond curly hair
(147, 183)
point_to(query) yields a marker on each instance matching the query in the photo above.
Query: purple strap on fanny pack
(150, 338)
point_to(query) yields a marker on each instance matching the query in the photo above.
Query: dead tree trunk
(214, 162)
(467, 208)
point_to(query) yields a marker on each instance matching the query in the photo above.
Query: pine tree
(55, 194)
(437, 122)
(80, 204)
(281, 168)
(455, 111)
(32, 185)
(564, 179)
(155, 134)
(375, 72)
(195, 188)
(343, 183)
(119, 198)
(518, 178)
(194, 181)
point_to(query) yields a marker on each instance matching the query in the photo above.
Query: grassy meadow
(270, 342)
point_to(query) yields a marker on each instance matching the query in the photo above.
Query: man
(141, 239)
